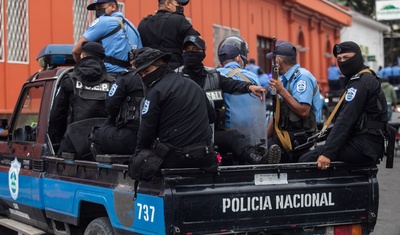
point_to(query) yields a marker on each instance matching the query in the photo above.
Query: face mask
(193, 59)
(100, 12)
(155, 75)
(352, 66)
(179, 10)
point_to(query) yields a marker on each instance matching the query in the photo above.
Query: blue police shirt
(380, 73)
(246, 100)
(302, 88)
(387, 71)
(396, 71)
(117, 45)
(333, 73)
(253, 68)
(264, 80)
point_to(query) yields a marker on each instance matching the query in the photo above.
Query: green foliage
(365, 7)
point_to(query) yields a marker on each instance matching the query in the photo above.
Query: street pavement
(389, 199)
(389, 195)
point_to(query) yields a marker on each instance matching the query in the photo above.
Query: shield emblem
(13, 178)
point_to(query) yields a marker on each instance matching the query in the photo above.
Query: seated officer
(214, 84)
(175, 115)
(81, 94)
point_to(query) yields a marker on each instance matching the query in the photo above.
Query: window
(220, 33)
(17, 31)
(264, 46)
(83, 18)
(28, 116)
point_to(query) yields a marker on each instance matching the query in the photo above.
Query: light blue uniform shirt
(253, 68)
(333, 73)
(117, 45)
(246, 100)
(264, 80)
(302, 88)
(396, 70)
(387, 71)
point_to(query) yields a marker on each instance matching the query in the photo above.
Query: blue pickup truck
(42, 193)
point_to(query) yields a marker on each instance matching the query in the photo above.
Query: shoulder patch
(113, 89)
(350, 94)
(94, 22)
(301, 86)
(146, 106)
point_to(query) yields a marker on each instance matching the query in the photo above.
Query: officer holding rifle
(297, 106)
(357, 135)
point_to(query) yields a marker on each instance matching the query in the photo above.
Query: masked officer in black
(81, 94)
(123, 105)
(167, 29)
(356, 135)
(175, 116)
(214, 84)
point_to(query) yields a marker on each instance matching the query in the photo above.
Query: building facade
(312, 25)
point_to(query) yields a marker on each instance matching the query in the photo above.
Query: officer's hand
(257, 90)
(323, 162)
(277, 84)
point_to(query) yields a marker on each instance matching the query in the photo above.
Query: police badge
(13, 178)
(350, 94)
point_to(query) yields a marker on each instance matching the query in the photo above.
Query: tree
(365, 7)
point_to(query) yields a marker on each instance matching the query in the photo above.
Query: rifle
(314, 139)
(275, 74)
(283, 135)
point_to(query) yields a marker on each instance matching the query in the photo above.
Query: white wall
(367, 33)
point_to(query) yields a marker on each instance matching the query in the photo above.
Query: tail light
(352, 229)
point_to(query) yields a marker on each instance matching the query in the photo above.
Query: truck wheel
(100, 226)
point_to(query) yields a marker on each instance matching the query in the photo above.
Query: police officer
(117, 35)
(82, 93)
(299, 104)
(214, 84)
(167, 29)
(356, 135)
(123, 105)
(175, 115)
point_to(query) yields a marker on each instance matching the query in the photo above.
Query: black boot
(274, 154)
(251, 156)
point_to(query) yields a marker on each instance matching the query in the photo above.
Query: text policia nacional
(261, 203)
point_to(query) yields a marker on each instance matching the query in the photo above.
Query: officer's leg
(312, 155)
(110, 139)
(349, 154)
(232, 141)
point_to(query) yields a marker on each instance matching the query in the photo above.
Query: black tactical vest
(89, 101)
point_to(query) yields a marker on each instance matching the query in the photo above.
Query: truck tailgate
(272, 198)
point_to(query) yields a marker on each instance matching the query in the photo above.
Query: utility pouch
(160, 149)
(144, 165)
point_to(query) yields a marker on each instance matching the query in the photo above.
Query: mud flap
(390, 140)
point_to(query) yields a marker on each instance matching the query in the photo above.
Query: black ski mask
(154, 76)
(353, 65)
(193, 59)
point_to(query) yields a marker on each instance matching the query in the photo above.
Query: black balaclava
(150, 78)
(353, 65)
(194, 67)
(193, 60)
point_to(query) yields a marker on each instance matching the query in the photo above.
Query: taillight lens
(352, 229)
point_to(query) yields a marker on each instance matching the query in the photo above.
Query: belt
(193, 151)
